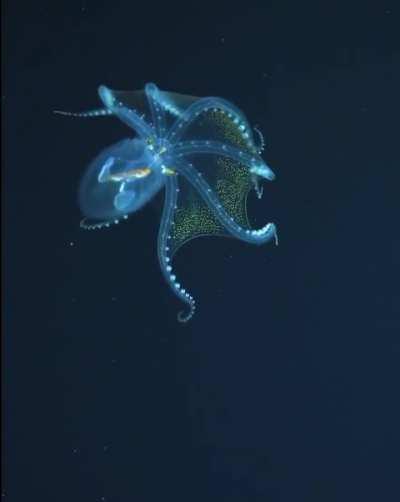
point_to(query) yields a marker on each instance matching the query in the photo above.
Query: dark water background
(285, 386)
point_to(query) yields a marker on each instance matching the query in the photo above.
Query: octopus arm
(156, 109)
(163, 248)
(197, 108)
(128, 116)
(99, 112)
(255, 164)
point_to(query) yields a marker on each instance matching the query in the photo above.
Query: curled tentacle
(186, 316)
(261, 146)
(259, 189)
(87, 224)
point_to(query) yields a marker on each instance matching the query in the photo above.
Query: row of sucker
(206, 105)
(164, 251)
(101, 224)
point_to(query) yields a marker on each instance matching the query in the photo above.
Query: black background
(285, 385)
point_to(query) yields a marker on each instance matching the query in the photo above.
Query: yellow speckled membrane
(231, 180)
(193, 218)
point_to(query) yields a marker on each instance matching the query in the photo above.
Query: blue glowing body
(200, 150)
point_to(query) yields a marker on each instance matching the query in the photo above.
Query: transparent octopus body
(201, 151)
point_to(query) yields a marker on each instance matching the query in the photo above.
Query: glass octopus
(201, 150)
